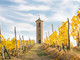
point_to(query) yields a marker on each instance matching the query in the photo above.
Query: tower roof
(39, 19)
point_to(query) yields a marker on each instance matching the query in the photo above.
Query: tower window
(39, 24)
(39, 41)
(39, 34)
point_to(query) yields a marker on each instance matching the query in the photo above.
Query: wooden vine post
(16, 42)
(79, 34)
(52, 28)
(46, 34)
(68, 35)
(30, 42)
(20, 44)
(78, 44)
(27, 44)
(23, 43)
(3, 58)
(5, 50)
(78, 39)
(79, 31)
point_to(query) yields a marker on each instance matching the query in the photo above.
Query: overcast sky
(24, 13)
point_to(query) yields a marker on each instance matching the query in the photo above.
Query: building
(39, 31)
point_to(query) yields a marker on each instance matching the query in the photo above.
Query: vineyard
(57, 45)
(14, 47)
(61, 39)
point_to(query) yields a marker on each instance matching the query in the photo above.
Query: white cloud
(25, 27)
(44, 1)
(50, 2)
(22, 27)
(24, 17)
(77, 0)
(1, 9)
(32, 7)
(3, 19)
(28, 17)
(65, 10)
(59, 14)
(18, 1)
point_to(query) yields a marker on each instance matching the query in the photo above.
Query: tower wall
(39, 31)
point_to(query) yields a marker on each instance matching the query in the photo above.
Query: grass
(0, 55)
(76, 50)
(42, 54)
(35, 53)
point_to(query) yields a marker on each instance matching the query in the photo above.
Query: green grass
(42, 54)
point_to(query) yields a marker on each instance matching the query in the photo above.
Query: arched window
(39, 41)
(39, 24)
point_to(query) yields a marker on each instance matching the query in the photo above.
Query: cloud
(24, 17)
(3, 19)
(44, 1)
(60, 12)
(22, 27)
(64, 11)
(28, 17)
(32, 7)
(1, 9)
(25, 27)
(77, 0)
(18, 1)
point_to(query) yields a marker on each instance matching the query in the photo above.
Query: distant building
(39, 31)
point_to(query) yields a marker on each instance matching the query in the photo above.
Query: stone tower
(39, 31)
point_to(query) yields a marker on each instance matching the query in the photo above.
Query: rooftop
(39, 19)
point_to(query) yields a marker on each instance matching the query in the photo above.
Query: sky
(24, 13)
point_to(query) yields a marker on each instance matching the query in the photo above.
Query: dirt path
(35, 54)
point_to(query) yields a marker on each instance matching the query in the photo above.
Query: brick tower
(39, 31)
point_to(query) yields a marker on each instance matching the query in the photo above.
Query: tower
(39, 31)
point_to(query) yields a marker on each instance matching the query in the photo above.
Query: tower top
(39, 20)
